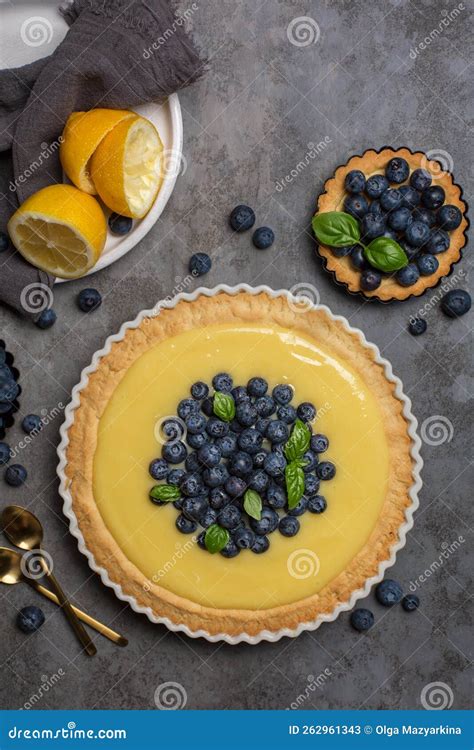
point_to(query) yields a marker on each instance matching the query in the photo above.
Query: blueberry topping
(362, 619)
(311, 485)
(30, 619)
(263, 238)
(355, 181)
(199, 264)
(258, 480)
(289, 526)
(209, 455)
(207, 407)
(265, 406)
(319, 443)
(240, 464)
(306, 411)
(410, 602)
(376, 208)
(356, 206)
(388, 592)
(120, 225)
(185, 525)
(276, 496)
(240, 395)
(217, 428)
(397, 170)
(433, 197)
(310, 460)
(417, 233)
(242, 218)
(261, 544)
(317, 504)
(185, 407)
(300, 508)
(15, 475)
(370, 280)
(235, 486)
(230, 550)
(282, 394)
(195, 423)
(191, 484)
(449, 217)
(326, 470)
(391, 199)
(268, 522)
(261, 425)
(198, 440)
(257, 387)
(222, 382)
(199, 390)
(410, 197)
(46, 319)
(89, 300)
(5, 454)
(417, 326)
(218, 498)
(216, 476)
(420, 179)
(287, 414)
(399, 219)
(192, 463)
(341, 252)
(229, 517)
(438, 242)
(455, 303)
(174, 453)
(195, 507)
(427, 264)
(158, 469)
(174, 477)
(425, 215)
(32, 423)
(227, 444)
(277, 431)
(376, 185)
(250, 440)
(408, 275)
(371, 226)
(358, 259)
(244, 538)
(246, 414)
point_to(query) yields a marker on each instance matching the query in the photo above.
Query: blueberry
(311, 485)
(215, 476)
(258, 480)
(410, 602)
(89, 300)
(276, 496)
(425, 215)
(199, 264)
(311, 461)
(5, 454)
(355, 181)
(438, 242)
(235, 486)
(282, 394)
(15, 475)
(201, 540)
(420, 179)
(174, 477)
(274, 464)
(397, 170)
(300, 508)
(417, 233)
(449, 217)
(268, 522)
(388, 592)
(178, 504)
(227, 444)
(158, 469)
(265, 406)
(246, 414)
(263, 238)
(391, 199)
(306, 411)
(356, 206)
(261, 425)
(399, 219)
(259, 458)
(455, 303)
(31, 423)
(185, 407)
(217, 428)
(376, 185)
(289, 526)
(199, 390)
(260, 545)
(195, 423)
(244, 538)
(287, 414)
(358, 259)
(362, 619)
(230, 550)
(209, 455)
(242, 218)
(427, 264)
(218, 498)
(4, 242)
(30, 619)
(174, 453)
(317, 504)
(198, 440)
(410, 251)
(370, 280)
(250, 440)
(408, 275)
(277, 431)
(257, 387)
(371, 226)
(326, 470)
(433, 197)
(192, 463)
(120, 225)
(236, 427)
(46, 319)
(195, 507)
(240, 464)
(240, 395)
(319, 443)
(417, 326)
(410, 197)
(229, 517)
(185, 525)
(191, 484)
(222, 382)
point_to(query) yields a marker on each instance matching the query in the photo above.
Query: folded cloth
(117, 54)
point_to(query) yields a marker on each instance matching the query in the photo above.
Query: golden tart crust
(372, 162)
(225, 308)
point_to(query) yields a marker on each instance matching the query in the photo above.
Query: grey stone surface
(247, 125)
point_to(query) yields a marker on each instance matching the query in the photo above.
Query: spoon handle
(65, 604)
(120, 640)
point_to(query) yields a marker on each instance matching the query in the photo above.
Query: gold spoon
(24, 530)
(11, 572)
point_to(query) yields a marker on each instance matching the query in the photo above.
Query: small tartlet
(374, 162)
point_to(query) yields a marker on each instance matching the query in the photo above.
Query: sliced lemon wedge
(126, 167)
(60, 230)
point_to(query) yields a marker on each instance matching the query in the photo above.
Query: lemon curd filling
(293, 568)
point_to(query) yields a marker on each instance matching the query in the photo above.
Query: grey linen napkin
(117, 54)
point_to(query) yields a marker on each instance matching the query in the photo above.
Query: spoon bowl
(22, 528)
(10, 566)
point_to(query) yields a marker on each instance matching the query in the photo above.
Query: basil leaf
(224, 406)
(165, 492)
(216, 538)
(336, 229)
(294, 477)
(253, 504)
(385, 254)
(298, 442)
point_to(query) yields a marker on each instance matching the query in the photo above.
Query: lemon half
(126, 167)
(60, 230)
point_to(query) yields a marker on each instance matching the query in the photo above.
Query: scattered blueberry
(408, 275)
(217, 428)
(191, 484)
(174, 477)
(46, 319)
(263, 238)
(276, 496)
(242, 218)
(257, 387)
(31, 423)
(300, 508)
(311, 485)
(410, 602)
(427, 264)
(433, 197)
(246, 414)
(250, 440)
(289, 526)
(277, 431)
(355, 181)
(362, 619)
(235, 486)
(209, 455)
(268, 522)
(397, 170)
(227, 444)
(420, 179)
(356, 206)
(197, 440)
(185, 407)
(417, 326)
(200, 264)
(388, 592)
(455, 303)
(30, 619)
(4, 242)
(120, 225)
(216, 476)
(449, 217)
(376, 185)
(370, 280)
(15, 475)
(195, 507)
(5, 454)
(158, 469)
(89, 300)
(240, 464)
(287, 414)
(240, 394)
(218, 498)
(229, 517)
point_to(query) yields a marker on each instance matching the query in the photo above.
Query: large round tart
(110, 437)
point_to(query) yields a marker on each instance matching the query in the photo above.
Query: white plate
(32, 30)
(264, 635)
